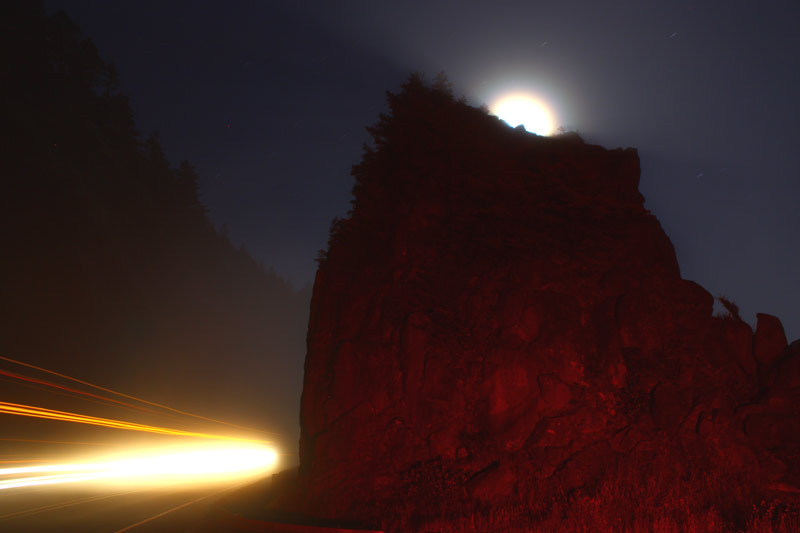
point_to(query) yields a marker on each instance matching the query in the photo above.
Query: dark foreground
(202, 510)
(75, 509)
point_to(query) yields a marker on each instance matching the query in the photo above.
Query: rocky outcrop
(500, 336)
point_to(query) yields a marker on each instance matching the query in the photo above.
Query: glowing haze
(524, 109)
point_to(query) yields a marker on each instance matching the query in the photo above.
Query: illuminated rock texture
(500, 337)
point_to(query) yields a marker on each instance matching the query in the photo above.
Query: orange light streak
(28, 461)
(28, 365)
(56, 442)
(50, 414)
(76, 391)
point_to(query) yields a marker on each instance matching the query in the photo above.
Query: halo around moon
(527, 110)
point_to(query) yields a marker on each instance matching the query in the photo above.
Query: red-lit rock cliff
(500, 337)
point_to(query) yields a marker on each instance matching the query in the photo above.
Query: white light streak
(159, 467)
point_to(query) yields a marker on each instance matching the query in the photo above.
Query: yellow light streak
(50, 414)
(161, 466)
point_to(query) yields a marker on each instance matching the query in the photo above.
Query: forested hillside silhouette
(109, 265)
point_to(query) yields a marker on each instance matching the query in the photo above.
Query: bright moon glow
(524, 109)
(158, 467)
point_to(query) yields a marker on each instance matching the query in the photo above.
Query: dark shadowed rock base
(500, 339)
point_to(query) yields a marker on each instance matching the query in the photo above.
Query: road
(214, 509)
(63, 510)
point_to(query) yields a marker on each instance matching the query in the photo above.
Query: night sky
(270, 100)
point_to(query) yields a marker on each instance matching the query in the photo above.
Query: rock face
(500, 336)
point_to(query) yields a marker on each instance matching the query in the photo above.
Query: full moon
(524, 109)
